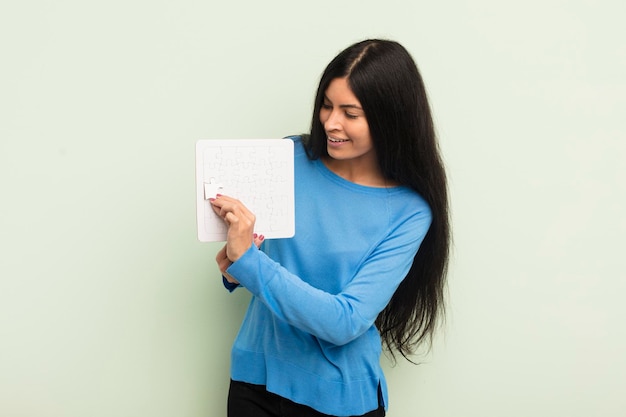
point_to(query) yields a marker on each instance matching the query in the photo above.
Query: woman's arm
(336, 318)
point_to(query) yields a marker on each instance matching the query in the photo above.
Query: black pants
(248, 400)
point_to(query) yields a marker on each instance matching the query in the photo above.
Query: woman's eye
(326, 106)
(351, 116)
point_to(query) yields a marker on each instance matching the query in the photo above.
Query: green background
(110, 307)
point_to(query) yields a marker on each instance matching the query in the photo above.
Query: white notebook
(258, 172)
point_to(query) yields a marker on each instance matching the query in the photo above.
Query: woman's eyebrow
(350, 106)
(345, 106)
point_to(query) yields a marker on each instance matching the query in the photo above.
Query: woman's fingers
(258, 239)
(222, 205)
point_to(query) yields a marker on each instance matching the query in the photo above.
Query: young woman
(368, 260)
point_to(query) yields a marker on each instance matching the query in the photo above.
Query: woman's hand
(223, 262)
(240, 222)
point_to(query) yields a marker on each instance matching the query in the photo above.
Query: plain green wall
(110, 307)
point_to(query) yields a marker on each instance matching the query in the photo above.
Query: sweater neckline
(324, 170)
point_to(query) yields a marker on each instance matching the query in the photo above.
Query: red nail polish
(261, 237)
(255, 235)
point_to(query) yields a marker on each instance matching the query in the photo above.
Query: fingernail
(261, 237)
(255, 235)
(211, 199)
(218, 195)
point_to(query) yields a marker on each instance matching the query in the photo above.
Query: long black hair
(384, 78)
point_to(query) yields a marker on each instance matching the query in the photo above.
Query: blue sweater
(309, 332)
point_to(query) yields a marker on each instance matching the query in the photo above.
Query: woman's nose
(333, 121)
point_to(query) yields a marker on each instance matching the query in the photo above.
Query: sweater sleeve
(335, 318)
(229, 285)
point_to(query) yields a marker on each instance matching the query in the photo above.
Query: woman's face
(347, 131)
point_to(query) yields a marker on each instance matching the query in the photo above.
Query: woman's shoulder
(297, 139)
(298, 144)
